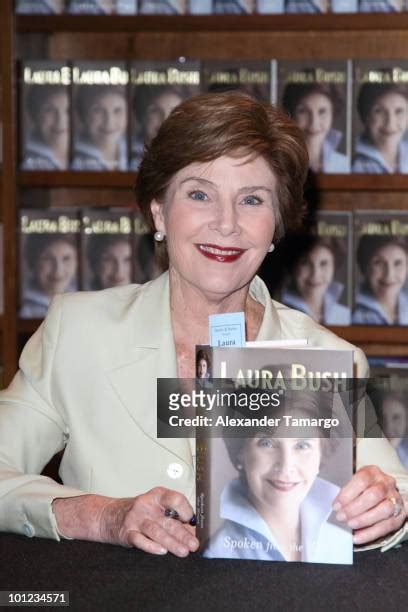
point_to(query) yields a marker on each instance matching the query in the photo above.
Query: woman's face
(107, 119)
(387, 119)
(314, 272)
(314, 115)
(202, 368)
(115, 266)
(394, 416)
(53, 120)
(56, 268)
(387, 271)
(219, 220)
(157, 112)
(280, 470)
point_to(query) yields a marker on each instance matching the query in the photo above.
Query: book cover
(381, 6)
(49, 258)
(45, 115)
(101, 7)
(270, 6)
(387, 389)
(200, 7)
(234, 7)
(380, 275)
(100, 116)
(307, 6)
(380, 116)
(318, 265)
(252, 77)
(316, 95)
(145, 267)
(40, 7)
(156, 88)
(266, 481)
(163, 7)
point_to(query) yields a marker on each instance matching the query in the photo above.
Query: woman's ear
(157, 214)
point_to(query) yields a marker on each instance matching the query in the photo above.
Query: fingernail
(340, 516)
(192, 544)
(182, 552)
(356, 539)
(353, 523)
(336, 506)
(162, 551)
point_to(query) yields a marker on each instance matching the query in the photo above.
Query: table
(104, 577)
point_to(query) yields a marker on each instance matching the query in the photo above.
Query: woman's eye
(265, 443)
(197, 195)
(303, 445)
(252, 200)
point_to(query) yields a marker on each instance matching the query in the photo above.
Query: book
(163, 7)
(157, 87)
(318, 264)
(307, 6)
(380, 103)
(270, 6)
(100, 116)
(234, 7)
(262, 460)
(45, 115)
(381, 6)
(380, 273)
(40, 7)
(387, 389)
(101, 7)
(252, 77)
(200, 7)
(49, 257)
(116, 249)
(316, 95)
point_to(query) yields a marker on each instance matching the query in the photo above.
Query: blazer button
(28, 530)
(175, 470)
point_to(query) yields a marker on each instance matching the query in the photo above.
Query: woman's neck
(390, 308)
(315, 306)
(390, 152)
(284, 524)
(314, 148)
(110, 154)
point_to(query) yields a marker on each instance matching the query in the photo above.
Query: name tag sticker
(227, 329)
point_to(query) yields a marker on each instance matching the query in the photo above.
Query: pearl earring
(239, 466)
(158, 236)
(271, 248)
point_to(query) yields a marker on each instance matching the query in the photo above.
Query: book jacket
(267, 480)
(381, 270)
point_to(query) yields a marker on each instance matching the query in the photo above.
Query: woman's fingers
(379, 529)
(171, 535)
(175, 501)
(382, 512)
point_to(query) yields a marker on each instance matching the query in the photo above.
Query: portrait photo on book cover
(315, 96)
(45, 116)
(381, 277)
(380, 118)
(271, 496)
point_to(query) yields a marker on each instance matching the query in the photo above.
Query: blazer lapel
(152, 356)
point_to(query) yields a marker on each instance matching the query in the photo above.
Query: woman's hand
(369, 504)
(140, 522)
(132, 521)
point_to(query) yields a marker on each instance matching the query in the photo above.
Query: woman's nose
(284, 463)
(225, 219)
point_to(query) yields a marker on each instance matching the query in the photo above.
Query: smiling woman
(222, 178)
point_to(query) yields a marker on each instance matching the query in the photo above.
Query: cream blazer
(87, 383)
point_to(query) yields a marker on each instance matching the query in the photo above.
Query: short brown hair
(209, 126)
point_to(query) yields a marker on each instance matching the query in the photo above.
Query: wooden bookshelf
(332, 36)
(214, 23)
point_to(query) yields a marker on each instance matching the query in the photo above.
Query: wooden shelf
(201, 23)
(28, 326)
(373, 334)
(121, 180)
(126, 180)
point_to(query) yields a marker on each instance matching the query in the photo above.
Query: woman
(47, 143)
(279, 508)
(223, 177)
(382, 147)
(52, 264)
(312, 287)
(393, 418)
(110, 261)
(382, 296)
(313, 106)
(100, 143)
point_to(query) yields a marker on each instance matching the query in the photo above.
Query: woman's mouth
(283, 485)
(220, 254)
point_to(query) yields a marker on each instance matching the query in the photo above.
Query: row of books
(97, 116)
(183, 7)
(345, 268)
(68, 250)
